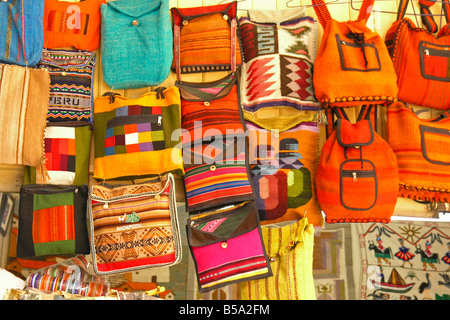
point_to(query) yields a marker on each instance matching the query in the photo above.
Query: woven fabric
(421, 60)
(357, 178)
(24, 95)
(71, 84)
(283, 158)
(227, 247)
(68, 24)
(21, 31)
(137, 137)
(279, 50)
(290, 250)
(137, 46)
(357, 56)
(67, 152)
(52, 220)
(422, 150)
(134, 226)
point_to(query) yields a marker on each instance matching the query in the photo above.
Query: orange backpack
(357, 178)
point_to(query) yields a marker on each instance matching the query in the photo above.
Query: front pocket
(434, 61)
(435, 143)
(358, 184)
(354, 56)
(137, 133)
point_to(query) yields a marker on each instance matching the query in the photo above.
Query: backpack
(357, 177)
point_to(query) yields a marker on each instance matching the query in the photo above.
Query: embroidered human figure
(428, 249)
(380, 245)
(404, 254)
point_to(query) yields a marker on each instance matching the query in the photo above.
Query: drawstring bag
(136, 43)
(357, 178)
(21, 31)
(422, 147)
(289, 246)
(353, 66)
(421, 57)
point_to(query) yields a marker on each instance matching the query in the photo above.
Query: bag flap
(76, 58)
(220, 226)
(51, 189)
(180, 14)
(354, 135)
(207, 91)
(136, 9)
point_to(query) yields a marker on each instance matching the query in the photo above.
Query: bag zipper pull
(159, 120)
(354, 177)
(427, 53)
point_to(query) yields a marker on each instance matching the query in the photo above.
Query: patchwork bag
(422, 149)
(71, 84)
(279, 49)
(137, 137)
(205, 39)
(356, 56)
(136, 42)
(67, 151)
(421, 57)
(357, 178)
(227, 247)
(289, 246)
(52, 220)
(283, 158)
(134, 226)
(24, 95)
(21, 31)
(72, 24)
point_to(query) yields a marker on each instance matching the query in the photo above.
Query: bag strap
(367, 112)
(323, 15)
(427, 16)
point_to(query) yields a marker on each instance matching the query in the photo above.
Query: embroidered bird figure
(446, 282)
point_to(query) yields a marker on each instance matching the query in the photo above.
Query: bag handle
(323, 15)
(427, 17)
(367, 112)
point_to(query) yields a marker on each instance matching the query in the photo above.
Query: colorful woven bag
(421, 57)
(24, 95)
(137, 137)
(72, 24)
(422, 149)
(67, 151)
(71, 85)
(289, 246)
(52, 220)
(356, 56)
(205, 39)
(279, 50)
(283, 157)
(357, 178)
(136, 42)
(227, 247)
(21, 31)
(134, 226)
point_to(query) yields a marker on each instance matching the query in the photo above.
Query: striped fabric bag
(227, 247)
(72, 81)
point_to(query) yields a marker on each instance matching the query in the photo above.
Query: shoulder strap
(323, 15)
(427, 16)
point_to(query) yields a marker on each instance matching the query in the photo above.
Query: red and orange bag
(353, 66)
(421, 59)
(357, 177)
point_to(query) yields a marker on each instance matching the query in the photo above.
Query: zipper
(134, 119)
(440, 51)
(355, 174)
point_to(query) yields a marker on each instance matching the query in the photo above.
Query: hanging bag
(134, 227)
(422, 147)
(353, 66)
(421, 57)
(21, 31)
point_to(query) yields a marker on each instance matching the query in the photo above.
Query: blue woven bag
(136, 43)
(21, 31)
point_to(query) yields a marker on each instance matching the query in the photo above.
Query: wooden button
(105, 206)
(225, 17)
(157, 197)
(206, 103)
(64, 73)
(212, 168)
(224, 245)
(135, 22)
(185, 22)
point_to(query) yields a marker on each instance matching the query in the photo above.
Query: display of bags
(357, 178)
(136, 43)
(279, 48)
(134, 226)
(422, 147)
(205, 39)
(21, 31)
(352, 66)
(24, 95)
(137, 137)
(71, 84)
(289, 246)
(72, 24)
(227, 246)
(67, 150)
(52, 220)
(421, 58)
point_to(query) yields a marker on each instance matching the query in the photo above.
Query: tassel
(42, 176)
